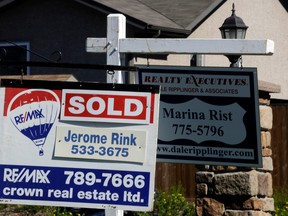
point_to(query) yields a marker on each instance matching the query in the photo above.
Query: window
(14, 52)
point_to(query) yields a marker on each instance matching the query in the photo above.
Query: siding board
(172, 174)
(279, 143)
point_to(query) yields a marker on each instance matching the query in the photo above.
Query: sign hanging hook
(241, 62)
(112, 73)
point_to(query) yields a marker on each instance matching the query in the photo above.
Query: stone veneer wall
(238, 191)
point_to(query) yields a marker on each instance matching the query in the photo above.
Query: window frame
(24, 44)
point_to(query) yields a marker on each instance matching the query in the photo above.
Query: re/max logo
(29, 115)
(26, 175)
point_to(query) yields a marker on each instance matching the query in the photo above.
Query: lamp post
(233, 28)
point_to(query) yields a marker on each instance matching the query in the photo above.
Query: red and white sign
(106, 106)
(65, 153)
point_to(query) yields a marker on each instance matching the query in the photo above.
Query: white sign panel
(74, 147)
(105, 106)
(101, 144)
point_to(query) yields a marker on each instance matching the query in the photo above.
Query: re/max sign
(106, 106)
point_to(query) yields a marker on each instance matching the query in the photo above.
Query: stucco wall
(267, 19)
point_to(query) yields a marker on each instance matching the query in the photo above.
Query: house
(54, 30)
(48, 28)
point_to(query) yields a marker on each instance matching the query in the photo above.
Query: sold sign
(106, 106)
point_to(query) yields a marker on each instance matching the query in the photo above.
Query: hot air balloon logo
(33, 112)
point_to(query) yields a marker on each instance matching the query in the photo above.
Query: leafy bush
(171, 203)
(27, 210)
(281, 201)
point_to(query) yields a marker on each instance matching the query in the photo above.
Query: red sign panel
(105, 106)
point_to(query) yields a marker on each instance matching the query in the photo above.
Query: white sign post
(116, 44)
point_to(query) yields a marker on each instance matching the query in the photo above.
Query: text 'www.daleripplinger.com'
(198, 151)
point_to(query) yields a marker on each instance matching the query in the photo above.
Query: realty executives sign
(207, 115)
(78, 145)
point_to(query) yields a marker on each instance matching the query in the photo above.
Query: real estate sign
(78, 145)
(207, 115)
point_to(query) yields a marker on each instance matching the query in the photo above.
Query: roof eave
(135, 22)
(173, 31)
(178, 32)
(5, 2)
(208, 12)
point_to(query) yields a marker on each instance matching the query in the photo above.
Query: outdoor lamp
(233, 28)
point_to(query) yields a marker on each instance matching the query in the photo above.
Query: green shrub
(281, 201)
(27, 210)
(171, 203)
